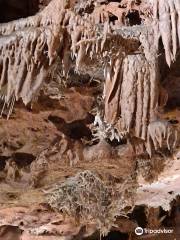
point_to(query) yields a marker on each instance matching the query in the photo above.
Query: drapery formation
(132, 83)
(131, 94)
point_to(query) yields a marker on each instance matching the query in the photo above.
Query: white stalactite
(160, 133)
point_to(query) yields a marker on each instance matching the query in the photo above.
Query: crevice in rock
(23, 159)
(112, 18)
(172, 218)
(75, 130)
(134, 18)
(138, 214)
(171, 84)
(3, 162)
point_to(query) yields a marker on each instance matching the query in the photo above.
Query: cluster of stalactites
(167, 12)
(28, 48)
(131, 94)
(161, 134)
(25, 60)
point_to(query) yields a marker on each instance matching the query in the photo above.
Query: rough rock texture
(132, 95)
(89, 127)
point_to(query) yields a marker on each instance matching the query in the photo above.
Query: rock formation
(89, 96)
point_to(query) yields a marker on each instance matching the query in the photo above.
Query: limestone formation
(89, 118)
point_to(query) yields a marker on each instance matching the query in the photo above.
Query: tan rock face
(89, 118)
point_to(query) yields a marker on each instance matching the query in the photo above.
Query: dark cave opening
(23, 159)
(3, 162)
(170, 81)
(116, 235)
(112, 235)
(173, 121)
(134, 18)
(14, 9)
(138, 214)
(112, 1)
(76, 130)
(113, 18)
(172, 219)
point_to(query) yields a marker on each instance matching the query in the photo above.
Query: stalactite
(112, 90)
(161, 132)
(131, 94)
(167, 12)
(25, 60)
(28, 48)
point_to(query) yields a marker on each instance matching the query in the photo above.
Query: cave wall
(91, 132)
